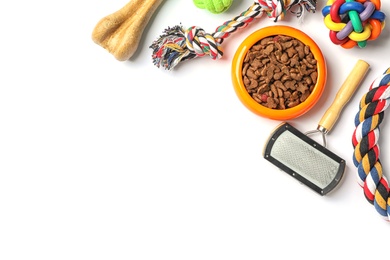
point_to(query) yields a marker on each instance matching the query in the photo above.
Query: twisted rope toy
(178, 44)
(214, 6)
(365, 142)
(353, 23)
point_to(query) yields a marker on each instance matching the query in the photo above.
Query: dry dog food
(279, 72)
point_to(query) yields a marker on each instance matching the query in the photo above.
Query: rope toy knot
(214, 6)
(202, 43)
(273, 8)
(177, 44)
(278, 8)
(353, 22)
(365, 142)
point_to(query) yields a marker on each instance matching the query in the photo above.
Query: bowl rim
(254, 106)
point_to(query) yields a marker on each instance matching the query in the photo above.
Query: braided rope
(178, 44)
(353, 23)
(238, 22)
(202, 43)
(365, 142)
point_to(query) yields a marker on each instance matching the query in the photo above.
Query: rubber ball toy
(214, 6)
(353, 22)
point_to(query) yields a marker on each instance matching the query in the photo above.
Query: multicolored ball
(353, 22)
(214, 6)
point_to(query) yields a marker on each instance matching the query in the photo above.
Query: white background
(102, 159)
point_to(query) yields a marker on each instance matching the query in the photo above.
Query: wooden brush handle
(343, 95)
(121, 31)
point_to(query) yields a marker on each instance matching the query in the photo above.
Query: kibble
(279, 72)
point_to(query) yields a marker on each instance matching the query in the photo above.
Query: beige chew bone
(120, 32)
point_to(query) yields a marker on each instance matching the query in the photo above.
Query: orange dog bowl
(253, 105)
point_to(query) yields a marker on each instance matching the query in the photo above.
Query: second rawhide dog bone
(120, 32)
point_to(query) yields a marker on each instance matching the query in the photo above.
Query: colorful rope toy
(178, 44)
(214, 6)
(365, 142)
(353, 23)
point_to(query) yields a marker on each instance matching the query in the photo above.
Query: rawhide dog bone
(120, 32)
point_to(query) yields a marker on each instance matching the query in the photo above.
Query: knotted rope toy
(365, 142)
(178, 44)
(214, 6)
(353, 23)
